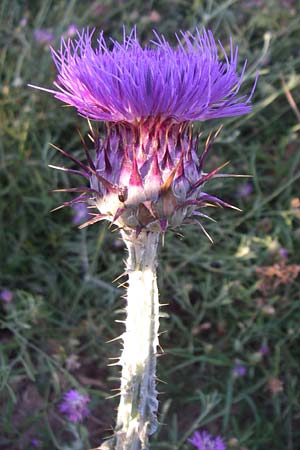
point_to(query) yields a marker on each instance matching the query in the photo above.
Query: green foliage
(220, 308)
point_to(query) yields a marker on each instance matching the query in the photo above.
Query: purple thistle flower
(204, 441)
(74, 406)
(6, 295)
(131, 83)
(283, 253)
(239, 369)
(146, 172)
(264, 350)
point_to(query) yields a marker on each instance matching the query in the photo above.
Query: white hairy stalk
(136, 418)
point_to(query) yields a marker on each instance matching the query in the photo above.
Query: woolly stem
(137, 410)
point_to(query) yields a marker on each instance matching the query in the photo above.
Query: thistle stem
(136, 418)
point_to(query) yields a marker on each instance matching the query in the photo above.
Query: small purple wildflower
(130, 83)
(264, 350)
(23, 22)
(35, 442)
(80, 213)
(6, 295)
(43, 36)
(204, 441)
(239, 369)
(245, 190)
(283, 253)
(74, 406)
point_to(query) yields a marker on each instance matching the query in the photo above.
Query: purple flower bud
(74, 406)
(204, 441)
(239, 369)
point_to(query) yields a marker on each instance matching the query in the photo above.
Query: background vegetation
(231, 305)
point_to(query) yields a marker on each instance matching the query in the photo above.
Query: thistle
(146, 176)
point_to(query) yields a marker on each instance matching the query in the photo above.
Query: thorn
(162, 332)
(206, 177)
(66, 169)
(77, 189)
(231, 175)
(200, 214)
(170, 178)
(161, 349)
(57, 208)
(67, 155)
(208, 144)
(118, 213)
(203, 229)
(114, 395)
(115, 339)
(161, 381)
(88, 156)
(123, 285)
(95, 219)
(91, 128)
(120, 276)
(80, 199)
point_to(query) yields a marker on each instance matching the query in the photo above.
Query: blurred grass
(64, 302)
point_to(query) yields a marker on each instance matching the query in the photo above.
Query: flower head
(146, 173)
(130, 82)
(74, 405)
(204, 441)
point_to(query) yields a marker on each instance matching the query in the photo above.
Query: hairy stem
(137, 410)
